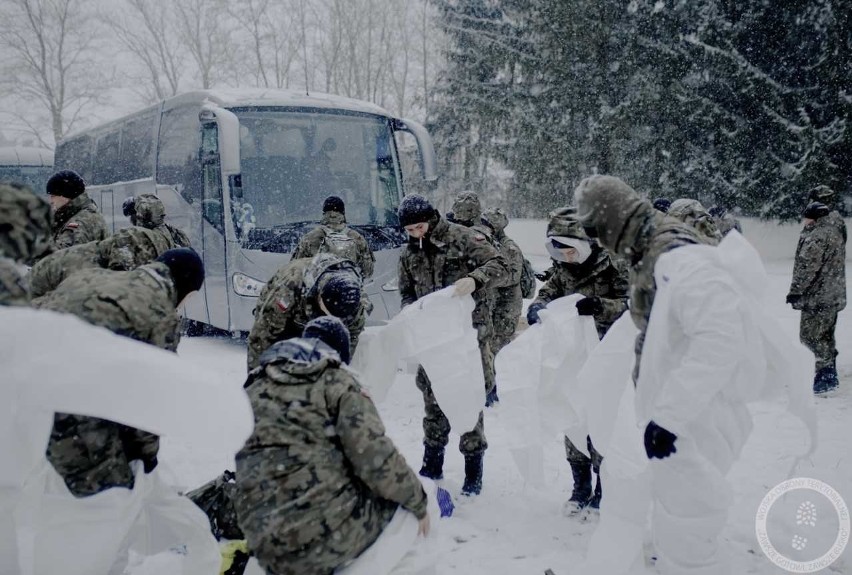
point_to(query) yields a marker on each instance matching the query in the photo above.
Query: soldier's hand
(793, 299)
(149, 463)
(532, 313)
(589, 306)
(659, 441)
(423, 526)
(464, 286)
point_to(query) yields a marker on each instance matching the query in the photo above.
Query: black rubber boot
(825, 380)
(433, 462)
(595, 501)
(582, 492)
(472, 474)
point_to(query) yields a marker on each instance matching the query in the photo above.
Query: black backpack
(527, 280)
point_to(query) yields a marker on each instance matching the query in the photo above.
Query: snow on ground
(512, 528)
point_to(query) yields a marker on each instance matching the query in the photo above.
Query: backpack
(527, 280)
(339, 244)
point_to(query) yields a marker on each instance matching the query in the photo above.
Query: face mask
(583, 247)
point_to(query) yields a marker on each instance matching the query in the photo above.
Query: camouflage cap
(150, 211)
(686, 209)
(565, 223)
(25, 223)
(466, 207)
(496, 219)
(822, 194)
(606, 204)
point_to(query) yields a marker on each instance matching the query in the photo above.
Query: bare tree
(51, 62)
(146, 30)
(269, 33)
(206, 36)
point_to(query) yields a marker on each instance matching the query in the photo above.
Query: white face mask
(582, 248)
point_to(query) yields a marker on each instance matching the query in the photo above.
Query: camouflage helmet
(150, 211)
(822, 194)
(496, 219)
(466, 207)
(25, 223)
(565, 223)
(605, 205)
(687, 210)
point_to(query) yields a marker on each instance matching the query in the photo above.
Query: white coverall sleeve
(709, 316)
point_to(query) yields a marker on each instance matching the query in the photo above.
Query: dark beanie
(334, 204)
(186, 269)
(128, 207)
(816, 210)
(414, 209)
(66, 183)
(662, 204)
(341, 294)
(332, 332)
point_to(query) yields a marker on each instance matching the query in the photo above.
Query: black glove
(793, 299)
(532, 313)
(659, 442)
(149, 463)
(590, 306)
(545, 275)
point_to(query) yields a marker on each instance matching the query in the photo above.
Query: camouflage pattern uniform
(289, 301)
(508, 301)
(819, 285)
(25, 221)
(78, 222)
(450, 252)
(318, 480)
(334, 222)
(93, 454)
(724, 221)
(151, 214)
(692, 213)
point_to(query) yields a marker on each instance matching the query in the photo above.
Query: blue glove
(532, 313)
(445, 502)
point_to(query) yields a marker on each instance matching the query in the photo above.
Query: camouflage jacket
(450, 252)
(13, 283)
(93, 454)
(819, 270)
(78, 222)
(288, 302)
(651, 234)
(318, 463)
(25, 224)
(123, 251)
(313, 242)
(508, 301)
(597, 276)
(151, 215)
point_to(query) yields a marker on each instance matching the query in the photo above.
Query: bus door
(213, 228)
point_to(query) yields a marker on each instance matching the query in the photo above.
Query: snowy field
(512, 528)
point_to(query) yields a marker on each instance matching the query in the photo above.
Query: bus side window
(137, 148)
(178, 162)
(107, 169)
(75, 154)
(212, 205)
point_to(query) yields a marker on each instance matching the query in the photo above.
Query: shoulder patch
(282, 304)
(72, 226)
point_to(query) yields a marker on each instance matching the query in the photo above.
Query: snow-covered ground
(512, 528)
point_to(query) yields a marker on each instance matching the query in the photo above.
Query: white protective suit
(710, 348)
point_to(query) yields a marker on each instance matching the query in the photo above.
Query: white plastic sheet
(537, 379)
(56, 362)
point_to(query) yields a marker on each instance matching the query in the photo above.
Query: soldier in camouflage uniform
(76, 219)
(148, 211)
(725, 222)
(301, 291)
(93, 454)
(440, 254)
(25, 223)
(318, 480)
(581, 266)
(333, 235)
(818, 288)
(508, 300)
(692, 212)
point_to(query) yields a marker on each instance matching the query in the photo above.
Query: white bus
(244, 174)
(26, 165)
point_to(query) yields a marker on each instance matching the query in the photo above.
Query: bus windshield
(291, 161)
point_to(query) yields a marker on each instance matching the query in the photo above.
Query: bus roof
(250, 97)
(25, 156)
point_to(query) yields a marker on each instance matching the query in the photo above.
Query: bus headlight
(247, 286)
(392, 285)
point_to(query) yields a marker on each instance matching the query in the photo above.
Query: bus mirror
(212, 210)
(428, 159)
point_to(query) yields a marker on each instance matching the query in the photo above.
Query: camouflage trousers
(484, 337)
(324, 555)
(504, 330)
(816, 331)
(436, 426)
(577, 457)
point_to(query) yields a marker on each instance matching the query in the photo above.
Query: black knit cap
(334, 204)
(332, 332)
(187, 270)
(67, 184)
(414, 209)
(662, 204)
(816, 210)
(341, 294)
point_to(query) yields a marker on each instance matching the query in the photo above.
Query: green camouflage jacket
(25, 224)
(78, 222)
(819, 270)
(318, 479)
(319, 238)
